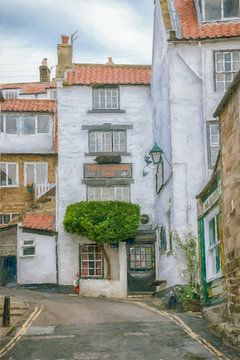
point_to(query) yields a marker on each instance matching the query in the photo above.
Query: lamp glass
(156, 154)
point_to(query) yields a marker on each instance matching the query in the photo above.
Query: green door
(141, 267)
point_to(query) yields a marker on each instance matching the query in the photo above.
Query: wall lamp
(155, 157)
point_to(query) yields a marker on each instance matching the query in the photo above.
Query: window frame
(213, 214)
(28, 246)
(105, 109)
(108, 187)
(112, 142)
(7, 94)
(34, 163)
(222, 19)
(20, 124)
(17, 178)
(11, 217)
(215, 52)
(209, 146)
(88, 276)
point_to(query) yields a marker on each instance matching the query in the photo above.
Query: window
(106, 99)
(28, 248)
(227, 64)
(120, 193)
(213, 142)
(107, 141)
(53, 94)
(8, 174)
(141, 257)
(26, 124)
(36, 173)
(10, 94)
(212, 243)
(91, 261)
(7, 218)
(213, 10)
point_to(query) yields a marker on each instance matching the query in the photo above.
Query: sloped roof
(39, 221)
(192, 29)
(28, 105)
(100, 74)
(29, 88)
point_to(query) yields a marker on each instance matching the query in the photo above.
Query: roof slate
(39, 221)
(192, 29)
(100, 74)
(28, 105)
(29, 88)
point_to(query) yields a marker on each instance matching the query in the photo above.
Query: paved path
(71, 328)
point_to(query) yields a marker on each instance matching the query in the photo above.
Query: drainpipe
(56, 251)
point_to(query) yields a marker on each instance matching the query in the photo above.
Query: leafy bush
(104, 222)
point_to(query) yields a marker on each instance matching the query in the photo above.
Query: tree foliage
(104, 222)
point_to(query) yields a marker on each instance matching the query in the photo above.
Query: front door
(9, 269)
(141, 267)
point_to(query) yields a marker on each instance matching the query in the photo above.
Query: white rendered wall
(38, 269)
(73, 103)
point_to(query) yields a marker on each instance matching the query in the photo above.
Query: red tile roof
(30, 88)
(100, 74)
(39, 221)
(192, 29)
(28, 105)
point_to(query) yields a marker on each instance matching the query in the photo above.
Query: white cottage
(196, 53)
(105, 109)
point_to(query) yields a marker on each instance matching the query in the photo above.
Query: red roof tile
(39, 221)
(30, 88)
(192, 29)
(93, 74)
(28, 105)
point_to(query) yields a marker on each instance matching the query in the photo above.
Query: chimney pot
(44, 71)
(65, 39)
(110, 61)
(44, 62)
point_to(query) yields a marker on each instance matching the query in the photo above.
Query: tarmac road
(75, 328)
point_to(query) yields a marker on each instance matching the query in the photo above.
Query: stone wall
(230, 150)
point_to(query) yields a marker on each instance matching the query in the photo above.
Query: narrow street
(73, 328)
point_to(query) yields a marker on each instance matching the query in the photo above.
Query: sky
(30, 31)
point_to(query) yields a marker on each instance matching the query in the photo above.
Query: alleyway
(72, 328)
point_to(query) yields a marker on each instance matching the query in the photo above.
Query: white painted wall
(73, 103)
(183, 100)
(38, 269)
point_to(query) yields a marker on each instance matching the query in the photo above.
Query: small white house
(36, 250)
(105, 110)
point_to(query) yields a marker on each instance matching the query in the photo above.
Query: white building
(105, 110)
(196, 53)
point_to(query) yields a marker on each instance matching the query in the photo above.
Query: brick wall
(230, 157)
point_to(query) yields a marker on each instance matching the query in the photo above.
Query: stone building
(196, 54)
(228, 114)
(28, 157)
(104, 109)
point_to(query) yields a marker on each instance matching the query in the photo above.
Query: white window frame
(25, 246)
(20, 124)
(222, 13)
(7, 164)
(210, 144)
(10, 94)
(210, 248)
(95, 260)
(35, 163)
(231, 72)
(115, 189)
(100, 135)
(11, 216)
(97, 92)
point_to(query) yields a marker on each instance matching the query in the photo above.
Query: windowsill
(225, 20)
(8, 186)
(92, 278)
(105, 111)
(214, 277)
(107, 154)
(27, 256)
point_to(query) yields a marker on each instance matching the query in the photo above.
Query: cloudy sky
(31, 29)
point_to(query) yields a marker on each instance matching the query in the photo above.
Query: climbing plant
(104, 222)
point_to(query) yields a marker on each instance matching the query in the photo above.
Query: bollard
(6, 311)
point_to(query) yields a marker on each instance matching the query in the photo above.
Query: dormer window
(220, 10)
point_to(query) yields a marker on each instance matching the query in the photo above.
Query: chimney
(44, 71)
(110, 61)
(64, 53)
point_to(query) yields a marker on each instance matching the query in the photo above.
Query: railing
(41, 189)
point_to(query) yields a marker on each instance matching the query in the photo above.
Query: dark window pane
(11, 124)
(1, 123)
(29, 251)
(212, 10)
(43, 124)
(3, 176)
(231, 8)
(28, 125)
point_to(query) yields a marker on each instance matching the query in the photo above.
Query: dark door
(141, 267)
(9, 269)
